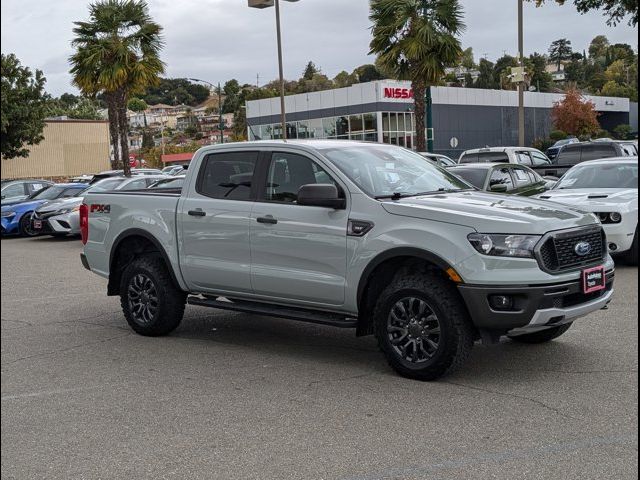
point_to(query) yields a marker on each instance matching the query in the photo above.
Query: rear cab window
(569, 155)
(227, 175)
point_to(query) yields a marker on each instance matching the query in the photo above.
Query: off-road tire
(456, 332)
(543, 336)
(170, 300)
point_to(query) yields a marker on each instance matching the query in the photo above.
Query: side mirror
(499, 188)
(320, 195)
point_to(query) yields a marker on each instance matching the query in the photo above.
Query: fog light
(613, 247)
(615, 217)
(501, 302)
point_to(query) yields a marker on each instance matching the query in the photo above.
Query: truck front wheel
(152, 304)
(422, 326)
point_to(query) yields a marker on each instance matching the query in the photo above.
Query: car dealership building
(382, 111)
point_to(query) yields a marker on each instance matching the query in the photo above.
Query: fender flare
(138, 232)
(393, 253)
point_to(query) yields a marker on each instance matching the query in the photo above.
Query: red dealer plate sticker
(593, 279)
(37, 224)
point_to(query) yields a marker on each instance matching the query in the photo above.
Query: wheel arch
(138, 242)
(381, 270)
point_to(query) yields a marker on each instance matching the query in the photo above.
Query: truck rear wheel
(152, 304)
(422, 326)
(542, 336)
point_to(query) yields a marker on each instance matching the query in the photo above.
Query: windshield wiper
(399, 195)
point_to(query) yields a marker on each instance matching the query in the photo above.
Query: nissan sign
(398, 93)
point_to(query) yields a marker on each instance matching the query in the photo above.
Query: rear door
(213, 224)
(297, 252)
(501, 175)
(525, 182)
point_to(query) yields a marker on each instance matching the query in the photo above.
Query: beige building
(69, 148)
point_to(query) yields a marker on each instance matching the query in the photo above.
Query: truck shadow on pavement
(304, 343)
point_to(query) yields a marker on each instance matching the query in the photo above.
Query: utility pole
(429, 106)
(220, 119)
(283, 116)
(521, 65)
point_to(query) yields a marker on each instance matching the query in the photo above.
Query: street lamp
(220, 119)
(266, 4)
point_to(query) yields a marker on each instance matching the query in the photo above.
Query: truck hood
(490, 212)
(593, 200)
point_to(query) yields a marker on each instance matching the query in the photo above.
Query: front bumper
(10, 224)
(67, 223)
(621, 234)
(535, 307)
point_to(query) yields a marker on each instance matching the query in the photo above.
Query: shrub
(622, 132)
(556, 135)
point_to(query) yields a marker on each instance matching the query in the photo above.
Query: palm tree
(117, 55)
(416, 40)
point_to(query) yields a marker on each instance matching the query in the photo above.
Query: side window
(594, 152)
(469, 158)
(15, 190)
(69, 192)
(227, 175)
(539, 159)
(522, 177)
(288, 172)
(569, 155)
(501, 176)
(523, 158)
(34, 187)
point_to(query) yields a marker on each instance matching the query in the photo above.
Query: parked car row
(53, 209)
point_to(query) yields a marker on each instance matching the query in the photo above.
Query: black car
(502, 178)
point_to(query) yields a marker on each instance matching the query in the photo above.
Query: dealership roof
(379, 95)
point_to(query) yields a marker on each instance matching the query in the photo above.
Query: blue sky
(219, 39)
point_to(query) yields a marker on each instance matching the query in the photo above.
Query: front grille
(558, 252)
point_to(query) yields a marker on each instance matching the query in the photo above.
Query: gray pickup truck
(357, 235)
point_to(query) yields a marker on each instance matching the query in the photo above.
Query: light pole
(219, 89)
(266, 4)
(521, 84)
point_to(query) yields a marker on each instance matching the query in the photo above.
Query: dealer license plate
(593, 279)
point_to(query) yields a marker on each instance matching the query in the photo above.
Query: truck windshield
(388, 171)
(609, 175)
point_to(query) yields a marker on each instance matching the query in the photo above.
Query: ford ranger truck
(356, 235)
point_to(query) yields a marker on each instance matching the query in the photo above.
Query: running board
(270, 310)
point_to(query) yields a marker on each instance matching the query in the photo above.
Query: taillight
(84, 223)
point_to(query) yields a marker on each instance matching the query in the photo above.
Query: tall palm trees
(416, 40)
(117, 55)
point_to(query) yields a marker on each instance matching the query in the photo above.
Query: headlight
(609, 217)
(67, 210)
(504, 245)
(8, 213)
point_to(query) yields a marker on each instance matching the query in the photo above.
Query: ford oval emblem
(583, 248)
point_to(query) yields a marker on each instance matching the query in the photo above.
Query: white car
(608, 188)
(531, 157)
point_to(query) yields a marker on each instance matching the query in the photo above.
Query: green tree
(176, 91)
(559, 51)
(117, 55)
(467, 60)
(24, 107)
(137, 105)
(598, 47)
(536, 66)
(622, 131)
(309, 71)
(575, 72)
(231, 92)
(502, 70)
(368, 73)
(486, 77)
(345, 79)
(614, 10)
(417, 40)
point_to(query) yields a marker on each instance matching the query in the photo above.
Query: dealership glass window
(303, 129)
(401, 127)
(342, 127)
(315, 128)
(398, 129)
(329, 127)
(356, 124)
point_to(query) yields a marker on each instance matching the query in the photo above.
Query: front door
(214, 219)
(298, 252)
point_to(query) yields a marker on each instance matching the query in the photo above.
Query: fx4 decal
(98, 208)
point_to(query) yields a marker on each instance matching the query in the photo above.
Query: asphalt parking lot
(232, 396)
